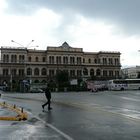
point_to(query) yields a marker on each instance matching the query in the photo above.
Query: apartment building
(39, 66)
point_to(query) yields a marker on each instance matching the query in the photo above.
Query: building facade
(131, 72)
(39, 66)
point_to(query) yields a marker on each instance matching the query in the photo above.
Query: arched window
(72, 60)
(110, 73)
(116, 61)
(29, 58)
(83, 60)
(95, 61)
(92, 72)
(85, 71)
(58, 59)
(110, 61)
(98, 72)
(29, 71)
(5, 58)
(65, 60)
(14, 72)
(89, 60)
(21, 58)
(43, 59)
(104, 72)
(104, 61)
(79, 72)
(51, 72)
(43, 71)
(13, 58)
(98, 61)
(36, 59)
(5, 72)
(117, 74)
(36, 71)
(51, 59)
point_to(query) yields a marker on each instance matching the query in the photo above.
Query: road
(106, 115)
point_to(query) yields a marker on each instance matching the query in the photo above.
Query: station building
(39, 66)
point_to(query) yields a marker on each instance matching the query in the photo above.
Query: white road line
(131, 99)
(52, 127)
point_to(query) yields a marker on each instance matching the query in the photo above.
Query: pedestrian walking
(48, 96)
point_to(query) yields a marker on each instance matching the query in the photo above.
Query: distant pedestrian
(48, 96)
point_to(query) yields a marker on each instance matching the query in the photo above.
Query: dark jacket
(47, 93)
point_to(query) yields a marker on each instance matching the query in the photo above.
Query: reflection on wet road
(33, 129)
(84, 116)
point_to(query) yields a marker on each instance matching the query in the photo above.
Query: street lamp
(21, 44)
(25, 47)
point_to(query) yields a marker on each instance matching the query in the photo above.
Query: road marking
(98, 107)
(131, 99)
(52, 127)
(127, 113)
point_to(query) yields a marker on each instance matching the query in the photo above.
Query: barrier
(21, 115)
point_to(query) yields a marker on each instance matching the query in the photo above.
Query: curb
(21, 115)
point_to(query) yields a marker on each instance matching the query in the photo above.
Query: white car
(36, 90)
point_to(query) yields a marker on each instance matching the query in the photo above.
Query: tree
(62, 79)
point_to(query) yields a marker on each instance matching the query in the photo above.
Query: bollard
(22, 110)
(20, 114)
(14, 106)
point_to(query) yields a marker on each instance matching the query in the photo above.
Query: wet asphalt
(105, 115)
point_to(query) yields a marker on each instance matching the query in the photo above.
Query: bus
(95, 86)
(124, 84)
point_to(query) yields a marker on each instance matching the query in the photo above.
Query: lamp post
(21, 44)
(24, 60)
(11, 78)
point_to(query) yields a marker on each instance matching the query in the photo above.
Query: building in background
(20, 67)
(131, 72)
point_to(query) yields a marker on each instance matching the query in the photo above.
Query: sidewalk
(32, 128)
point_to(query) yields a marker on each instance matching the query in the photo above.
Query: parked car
(3, 88)
(36, 90)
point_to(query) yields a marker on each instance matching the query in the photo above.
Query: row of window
(52, 72)
(62, 60)
(13, 58)
(78, 60)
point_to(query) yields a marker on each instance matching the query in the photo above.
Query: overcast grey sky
(94, 25)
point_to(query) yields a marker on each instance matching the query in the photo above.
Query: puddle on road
(122, 111)
(125, 112)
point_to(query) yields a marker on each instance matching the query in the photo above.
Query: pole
(11, 79)
(24, 80)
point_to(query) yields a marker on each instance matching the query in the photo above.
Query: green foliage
(62, 79)
(62, 76)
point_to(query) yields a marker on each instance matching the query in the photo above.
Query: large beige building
(18, 64)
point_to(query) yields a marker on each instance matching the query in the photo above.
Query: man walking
(48, 96)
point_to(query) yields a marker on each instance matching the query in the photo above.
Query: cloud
(124, 13)
(94, 25)
(25, 28)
